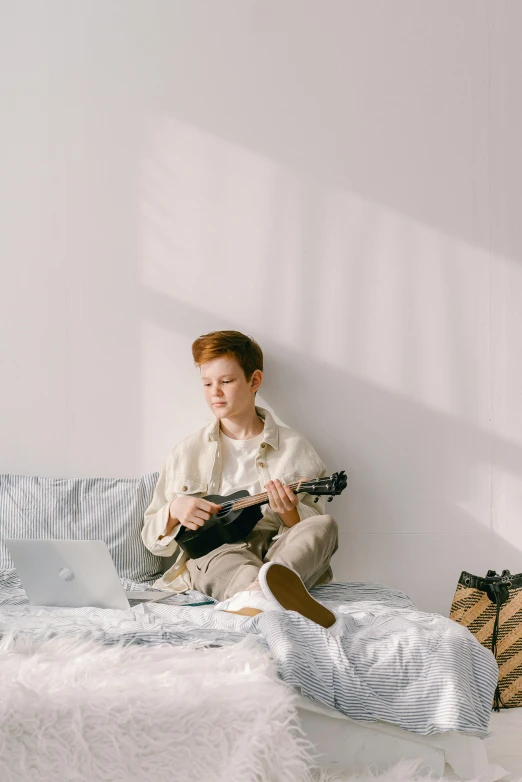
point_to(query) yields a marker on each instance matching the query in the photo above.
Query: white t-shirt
(239, 465)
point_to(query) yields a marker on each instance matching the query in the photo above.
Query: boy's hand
(192, 512)
(280, 497)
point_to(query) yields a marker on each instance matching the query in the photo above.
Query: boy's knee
(328, 536)
(329, 525)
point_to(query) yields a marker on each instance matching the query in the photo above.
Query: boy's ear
(257, 377)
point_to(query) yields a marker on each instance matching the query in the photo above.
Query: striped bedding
(109, 509)
(419, 671)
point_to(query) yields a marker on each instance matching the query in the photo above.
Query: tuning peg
(316, 499)
(329, 499)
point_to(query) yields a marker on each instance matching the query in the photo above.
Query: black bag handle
(484, 582)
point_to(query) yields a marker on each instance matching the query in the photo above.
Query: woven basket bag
(491, 609)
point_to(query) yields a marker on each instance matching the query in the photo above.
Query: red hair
(245, 350)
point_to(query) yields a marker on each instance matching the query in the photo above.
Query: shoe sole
(244, 611)
(292, 595)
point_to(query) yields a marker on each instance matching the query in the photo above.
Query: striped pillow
(109, 509)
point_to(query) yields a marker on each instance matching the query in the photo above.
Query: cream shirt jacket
(194, 468)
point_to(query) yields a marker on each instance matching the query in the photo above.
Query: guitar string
(257, 498)
(246, 502)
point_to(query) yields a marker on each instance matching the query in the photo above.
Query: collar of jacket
(271, 430)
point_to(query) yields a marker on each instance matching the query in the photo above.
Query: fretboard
(261, 499)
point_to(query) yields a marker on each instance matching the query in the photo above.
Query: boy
(290, 548)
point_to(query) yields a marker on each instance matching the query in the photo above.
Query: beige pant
(307, 547)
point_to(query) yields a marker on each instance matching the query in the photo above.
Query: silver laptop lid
(68, 573)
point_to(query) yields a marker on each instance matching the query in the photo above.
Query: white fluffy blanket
(76, 710)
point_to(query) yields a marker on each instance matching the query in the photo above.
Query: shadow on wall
(406, 503)
(358, 96)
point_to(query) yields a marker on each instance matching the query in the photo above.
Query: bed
(397, 683)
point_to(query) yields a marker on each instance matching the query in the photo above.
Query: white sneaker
(247, 599)
(283, 587)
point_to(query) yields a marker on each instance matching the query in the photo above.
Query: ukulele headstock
(333, 485)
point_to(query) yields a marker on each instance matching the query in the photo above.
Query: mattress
(348, 745)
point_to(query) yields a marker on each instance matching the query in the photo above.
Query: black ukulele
(240, 513)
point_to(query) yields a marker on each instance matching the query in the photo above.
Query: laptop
(73, 574)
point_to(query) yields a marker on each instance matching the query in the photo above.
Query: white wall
(342, 181)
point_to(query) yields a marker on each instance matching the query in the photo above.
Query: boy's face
(225, 387)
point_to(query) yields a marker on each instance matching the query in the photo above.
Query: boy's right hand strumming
(192, 512)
